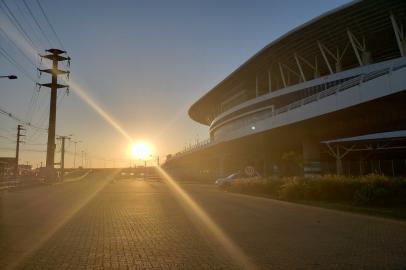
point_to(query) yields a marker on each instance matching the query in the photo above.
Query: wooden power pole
(19, 129)
(62, 164)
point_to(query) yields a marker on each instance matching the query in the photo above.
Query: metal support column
(400, 35)
(311, 157)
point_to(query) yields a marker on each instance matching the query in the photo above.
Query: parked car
(226, 181)
(237, 177)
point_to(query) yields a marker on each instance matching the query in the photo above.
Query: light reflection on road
(35, 239)
(229, 246)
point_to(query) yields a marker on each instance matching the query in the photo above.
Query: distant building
(7, 166)
(337, 76)
(25, 169)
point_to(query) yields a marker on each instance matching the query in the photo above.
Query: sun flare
(141, 150)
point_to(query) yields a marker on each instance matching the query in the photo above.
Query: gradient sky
(142, 62)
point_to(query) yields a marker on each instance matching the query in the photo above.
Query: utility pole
(19, 129)
(55, 56)
(62, 166)
(85, 160)
(145, 169)
(74, 155)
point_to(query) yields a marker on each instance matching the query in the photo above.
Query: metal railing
(194, 147)
(315, 97)
(307, 100)
(328, 92)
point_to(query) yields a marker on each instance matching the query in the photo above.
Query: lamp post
(10, 77)
(156, 160)
(74, 155)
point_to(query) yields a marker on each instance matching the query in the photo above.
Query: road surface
(98, 223)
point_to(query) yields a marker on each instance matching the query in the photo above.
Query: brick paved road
(129, 224)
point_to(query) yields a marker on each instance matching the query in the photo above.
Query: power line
(50, 25)
(36, 144)
(10, 59)
(41, 122)
(29, 24)
(7, 138)
(22, 150)
(34, 96)
(4, 34)
(15, 21)
(12, 116)
(36, 134)
(36, 22)
(60, 99)
(32, 104)
(7, 130)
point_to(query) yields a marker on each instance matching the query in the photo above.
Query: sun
(141, 150)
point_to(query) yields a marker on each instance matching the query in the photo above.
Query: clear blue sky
(144, 63)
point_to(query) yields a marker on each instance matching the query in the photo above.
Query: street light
(10, 77)
(74, 155)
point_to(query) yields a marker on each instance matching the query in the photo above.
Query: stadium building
(328, 96)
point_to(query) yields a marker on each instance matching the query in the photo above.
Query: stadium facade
(286, 109)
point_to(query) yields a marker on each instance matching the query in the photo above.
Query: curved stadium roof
(365, 19)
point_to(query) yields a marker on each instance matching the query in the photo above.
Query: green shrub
(269, 186)
(333, 188)
(370, 194)
(380, 190)
(293, 189)
(366, 190)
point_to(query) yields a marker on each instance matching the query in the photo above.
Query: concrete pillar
(311, 157)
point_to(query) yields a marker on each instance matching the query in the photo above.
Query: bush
(326, 188)
(293, 189)
(380, 190)
(369, 194)
(269, 186)
(365, 190)
(333, 188)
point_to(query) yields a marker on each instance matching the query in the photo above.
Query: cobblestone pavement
(129, 224)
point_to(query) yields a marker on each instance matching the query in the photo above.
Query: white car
(226, 181)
